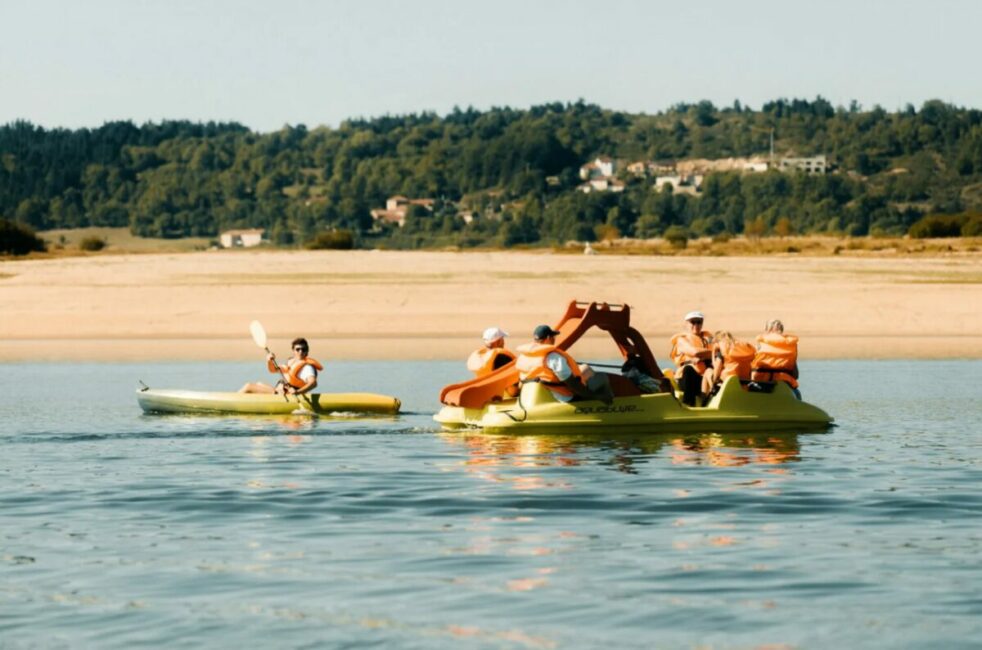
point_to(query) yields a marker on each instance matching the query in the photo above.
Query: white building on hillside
(601, 167)
(813, 165)
(601, 185)
(242, 238)
(681, 183)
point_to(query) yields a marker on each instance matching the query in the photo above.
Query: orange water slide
(578, 319)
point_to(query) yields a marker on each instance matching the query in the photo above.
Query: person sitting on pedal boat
(555, 369)
(298, 376)
(777, 357)
(731, 358)
(492, 355)
(692, 357)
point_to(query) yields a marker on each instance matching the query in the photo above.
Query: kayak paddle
(259, 336)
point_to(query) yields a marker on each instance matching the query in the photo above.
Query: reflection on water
(733, 450)
(485, 452)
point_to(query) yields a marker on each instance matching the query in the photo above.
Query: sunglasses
(298, 349)
(696, 321)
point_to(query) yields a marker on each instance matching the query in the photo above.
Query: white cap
(694, 315)
(492, 334)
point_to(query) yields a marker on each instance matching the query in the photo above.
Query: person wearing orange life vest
(692, 357)
(298, 376)
(731, 358)
(555, 369)
(492, 355)
(777, 357)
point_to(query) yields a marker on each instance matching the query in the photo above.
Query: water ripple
(122, 530)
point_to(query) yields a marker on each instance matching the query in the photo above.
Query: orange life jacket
(776, 358)
(531, 364)
(738, 362)
(292, 372)
(699, 342)
(484, 361)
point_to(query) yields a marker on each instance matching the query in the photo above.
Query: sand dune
(433, 305)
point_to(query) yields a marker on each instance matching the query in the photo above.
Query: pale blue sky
(266, 64)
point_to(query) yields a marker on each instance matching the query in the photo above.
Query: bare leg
(707, 383)
(257, 387)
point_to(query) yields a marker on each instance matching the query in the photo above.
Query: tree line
(515, 170)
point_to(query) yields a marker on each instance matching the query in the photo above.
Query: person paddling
(492, 355)
(298, 376)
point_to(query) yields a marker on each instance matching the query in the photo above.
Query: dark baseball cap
(544, 332)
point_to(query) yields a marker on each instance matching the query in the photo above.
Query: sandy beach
(433, 305)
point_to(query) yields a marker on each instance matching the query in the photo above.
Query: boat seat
(622, 386)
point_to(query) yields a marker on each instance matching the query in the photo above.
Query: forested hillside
(515, 170)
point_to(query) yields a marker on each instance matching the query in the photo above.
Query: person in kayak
(692, 357)
(297, 377)
(777, 357)
(492, 355)
(731, 358)
(555, 369)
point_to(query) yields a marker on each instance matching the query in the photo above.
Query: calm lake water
(120, 530)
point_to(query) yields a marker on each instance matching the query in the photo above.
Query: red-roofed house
(396, 208)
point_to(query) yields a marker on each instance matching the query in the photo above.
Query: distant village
(602, 174)
(685, 176)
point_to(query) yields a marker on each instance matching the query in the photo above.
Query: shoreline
(447, 348)
(433, 305)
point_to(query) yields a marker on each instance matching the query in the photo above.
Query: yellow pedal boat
(189, 401)
(484, 403)
(732, 409)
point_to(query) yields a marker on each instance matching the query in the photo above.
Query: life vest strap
(774, 371)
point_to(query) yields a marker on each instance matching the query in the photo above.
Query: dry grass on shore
(805, 245)
(66, 243)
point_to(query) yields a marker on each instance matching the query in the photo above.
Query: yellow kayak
(733, 408)
(189, 401)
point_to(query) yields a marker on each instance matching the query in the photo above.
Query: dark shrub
(676, 236)
(18, 239)
(937, 225)
(92, 244)
(333, 240)
(973, 226)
